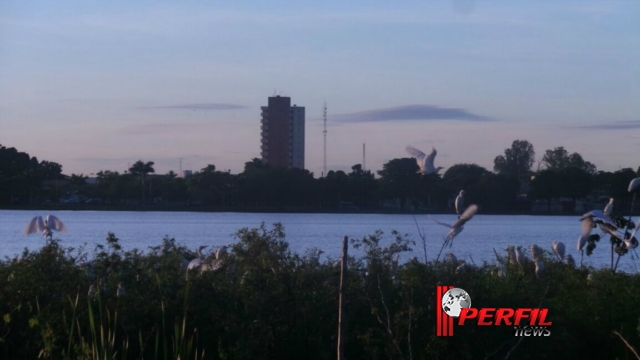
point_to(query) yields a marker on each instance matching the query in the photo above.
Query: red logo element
(444, 322)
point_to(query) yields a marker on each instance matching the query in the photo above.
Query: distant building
(282, 133)
(186, 173)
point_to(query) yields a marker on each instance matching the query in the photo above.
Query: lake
(325, 231)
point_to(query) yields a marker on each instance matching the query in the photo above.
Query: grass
(267, 302)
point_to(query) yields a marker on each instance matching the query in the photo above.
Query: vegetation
(267, 302)
(513, 186)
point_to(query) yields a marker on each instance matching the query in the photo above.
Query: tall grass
(269, 303)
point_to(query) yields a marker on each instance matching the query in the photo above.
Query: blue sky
(97, 86)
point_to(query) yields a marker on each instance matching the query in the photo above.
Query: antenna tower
(180, 166)
(324, 117)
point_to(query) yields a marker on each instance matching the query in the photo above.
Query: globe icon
(455, 300)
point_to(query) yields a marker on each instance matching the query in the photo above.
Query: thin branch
(628, 345)
(388, 326)
(423, 238)
(522, 338)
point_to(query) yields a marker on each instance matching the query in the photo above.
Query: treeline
(516, 181)
(266, 302)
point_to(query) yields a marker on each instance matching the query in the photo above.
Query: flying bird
(46, 226)
(460, 203)
(458, 226)
(606, 224)
(609, 208)
(424, 162)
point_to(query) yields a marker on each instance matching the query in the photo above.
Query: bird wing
(634, 184)
(466, 215)
(600, 217)
(587, 226)
(428, 162)
(35, 225)
(459, 203)
(439, 223)
(55, 223)
(415, 153)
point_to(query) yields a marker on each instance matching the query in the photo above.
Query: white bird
(222, 250)
(520, 258)
(195, 263)
(511, 254)
(603, 221)
(590, 277)
(539, 267)
(558, 248)
(634, 184)
(46, 226)
(631, 242)
(458, 226)
(582, 241)
(535, 251)
(459, 203)
(609, 208)
(424, 162)
(570, 260)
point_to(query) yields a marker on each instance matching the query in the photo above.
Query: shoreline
(285, 210)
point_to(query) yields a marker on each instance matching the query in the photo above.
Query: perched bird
(582, 241)
(570, 260)
(597, 217)
(558, 248)
(424, 162)
(539, 267)
(46, 226)
(198, 261)
(222, 250)
(631, 242)
(460, 203)
(609, 208)
(535, 251)
(590, 277)
(458, 226)
(520, 258)
(511, 254)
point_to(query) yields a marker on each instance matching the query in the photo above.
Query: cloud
(161, 128)
(616, 125)
(409, 112)
(204, 106)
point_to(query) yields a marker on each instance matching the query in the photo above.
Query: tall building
(282, 136)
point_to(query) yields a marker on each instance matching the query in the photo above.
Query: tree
(78, 180)
(399, 178)
(559, 158)
(516, 161)
(141, 169)
(545, 186)
(465, 177)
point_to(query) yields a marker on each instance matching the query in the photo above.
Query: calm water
(325, 231)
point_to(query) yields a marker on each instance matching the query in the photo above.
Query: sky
(98, 85)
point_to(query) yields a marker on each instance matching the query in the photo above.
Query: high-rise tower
(282, 135)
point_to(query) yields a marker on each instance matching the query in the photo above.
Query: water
(325, 231)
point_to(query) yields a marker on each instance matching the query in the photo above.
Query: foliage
(559, 159)
(517, 160)
(267, 302)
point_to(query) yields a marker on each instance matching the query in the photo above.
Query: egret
(459, 203)
(631, 242)
(520, 258)
(558, 248)
(570, 260)
(535, 251)
(609, 208)
(458, 226)
(511, 254)
(46, 226)
(424, 162)
(502, 271)
(606, 224)
(590, 277)
(539, 267)
(195, 263)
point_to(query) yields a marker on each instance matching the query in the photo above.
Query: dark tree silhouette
(142, 169)
(516, 161)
